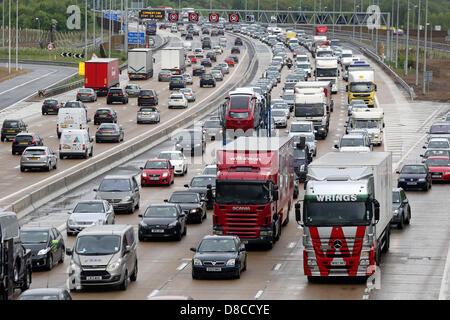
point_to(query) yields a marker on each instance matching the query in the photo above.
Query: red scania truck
(254, 188)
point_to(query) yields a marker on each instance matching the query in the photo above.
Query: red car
(157, 171)
(439, 167)
(192, 58)
(229, 62)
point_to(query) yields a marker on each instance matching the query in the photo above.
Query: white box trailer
(140, 63)
(173, 59)
(347, 213)
(324, 85)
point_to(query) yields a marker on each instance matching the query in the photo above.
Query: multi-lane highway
(412, 269)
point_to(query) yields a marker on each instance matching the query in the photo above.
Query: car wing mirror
(193, 249)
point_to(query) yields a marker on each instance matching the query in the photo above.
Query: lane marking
(258, 294)
(291, 245)
(153, 293)
(182, 266)
(277, 267)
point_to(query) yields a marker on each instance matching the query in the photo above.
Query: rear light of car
(33, 141)
(151, 96)
(57, 105)
(78, 94)
(81, 126)
(43, 106)
(110, 113)
(45, 153)
(23, 153)
(60, 147)
(121, 94)
(90, 94)
(14, 141)
(139, 96)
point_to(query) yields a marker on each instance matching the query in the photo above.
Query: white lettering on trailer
(336, 197)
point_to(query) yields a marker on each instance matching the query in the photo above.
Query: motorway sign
(50, 46)
(135, 38)
(115, 16)
(152, 14)
(173, 16)
(428, 75)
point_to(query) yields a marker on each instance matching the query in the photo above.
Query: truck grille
(361, 95)
(242, 224)
(352, 243)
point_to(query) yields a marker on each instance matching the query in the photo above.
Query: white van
(173, 28)
(223, 42)
(76, 143)
(71, 118)
(187, 46)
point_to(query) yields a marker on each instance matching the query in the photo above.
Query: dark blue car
(414, 176)
(219, 256)
(400, 208)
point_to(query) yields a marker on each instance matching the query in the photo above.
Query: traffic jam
(243, 170)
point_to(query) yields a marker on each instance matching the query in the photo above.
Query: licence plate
(338, 263)
(32, 158)
(94, 278)
(115, 95)
(103, 116)
(214, 269)
(176, 100)
(63, 126)
(66, 147)
(106, 133)
(145, 97)
(50, 109)
(412, 183)
(154, 178)
(11, 130)
(158, 230)
(24, 143)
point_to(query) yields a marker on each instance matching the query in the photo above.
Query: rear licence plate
(50, 109)
(158, 230)
(94, 278)
(32, 158)
(11, 130)
(103, 116)
(24, 143)
(115, 95)
(146, 97)
(214, 269)
(63, 126)
(66, 147)
(106, 133)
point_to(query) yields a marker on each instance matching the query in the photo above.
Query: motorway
(413, 268)
(26, 85)
(15, 184)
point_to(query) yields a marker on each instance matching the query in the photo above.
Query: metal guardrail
(372, 55)
(57, 89)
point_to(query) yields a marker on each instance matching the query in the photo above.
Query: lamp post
(417, 48)
(396, 38)
(93, 11)
(3, 23)
(85, 29)
(17, 35)
(9, 38)
(425, 47)
(407, 41)
(360, 25)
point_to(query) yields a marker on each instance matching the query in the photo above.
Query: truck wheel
(387, 241)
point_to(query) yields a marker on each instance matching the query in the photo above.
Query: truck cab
(327, 69)
(361, 85)
(311, 105)
(370, 119)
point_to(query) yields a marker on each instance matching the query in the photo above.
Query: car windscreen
(361, 87)
(176, 96)
(440, 128)
(97, 245)
(107, 127)
(161, 212)
(413, 170)
(352, 142)
(300, 127)
(87, 207)
(184, 198)
(332, 72)
(203, 181)
(288, 96)
(170, 155)
(438, 162)
(209, 171)
(395, 197)
(431, 153)
(309, 110)
(217, 245)
(115, 185)
(189, 136)
(436, 144)
(34, 236)
(156, 165)
(278, 113)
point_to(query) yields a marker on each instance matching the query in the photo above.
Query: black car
(50, 106)
(117, 95)
(11, 128)
(147, 97)
(205, 30)
(46, 294)
(302, 158)
(198, 70)
(413, 176)
(177, 82)
(400, 208)
(219, 256)
(162, 221)
(191, 140)
(74, 104)
(105, 115)
(205, 185)
(46, 245)
(234, 57)
(207, 79)
(235, 50)
(206, 44)
(238, 41)
(24, 140)
(191, 204)
(206, 62)
(110, 132)
(211, 56)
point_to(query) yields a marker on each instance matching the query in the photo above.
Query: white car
(177, 100)
(298, 127)
(188, 78)
(217, 74)
(199, 52)
(210, 169)
(218, 49)
(177, 159)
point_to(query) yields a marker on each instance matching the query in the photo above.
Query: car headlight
(71, 222)
(74, 266)
(194, 210)
(396, 211)
(165, 174)
(302, 167)
(144, 174)
(173, 224)
(423, 180)
(43, 251)
(197, 262)
(231, 262)
(178, 145)
(114, 265)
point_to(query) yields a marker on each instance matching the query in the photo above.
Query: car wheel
(401, 224)
(92, 152)
(245, 264)
(49, 264)
(133, 276)
(408, 218)
(48, 168)
(63, 255)
(123, 286)
(179, 235)
(22, 169)
(238, 273)
(55, 166)
(185, 230)
(26, 280)
(140, 237)
(195, 276)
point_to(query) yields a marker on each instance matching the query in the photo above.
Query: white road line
(153, 293)
(444, 292)
(277, 267)
(99, 156)
(32, 80)
(258, 294)
(17, 167)
(182, 266)
(291, 245)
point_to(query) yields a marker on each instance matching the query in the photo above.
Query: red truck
(254, 188)
(101, 74)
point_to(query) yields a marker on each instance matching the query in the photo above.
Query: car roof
(204, 176)
(117, 176)
(106, 229)
(36, 228)
(219, 237)
(39, 291)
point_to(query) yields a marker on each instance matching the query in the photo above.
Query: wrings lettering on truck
(336, 197)
(337, 241)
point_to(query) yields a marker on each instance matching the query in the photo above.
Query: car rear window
(440, 128)
(239, 102)
(72, 104)
(148, 109)
(51, 102)
(35, 152)
(107, 127)
(146, 92)
(11, 124)
(115, 90)
(24, 138)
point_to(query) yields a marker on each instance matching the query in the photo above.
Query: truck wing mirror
(377, 210)
(346, 88)
(275, 195)
(375, 87)
(336, 146)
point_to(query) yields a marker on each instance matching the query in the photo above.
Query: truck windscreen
(361, 87)
(242, 193)
(309, 110)
(336, 213)
(366, 124)
(332, 72)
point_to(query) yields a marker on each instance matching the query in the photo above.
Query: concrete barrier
(37, 198)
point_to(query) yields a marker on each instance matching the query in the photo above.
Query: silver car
(148, 115)
(88, 213)
(188, 93)
(279, 118)
(281, 106)
(225, 68)
(38, 157)
(121, 191)
(217, 75)
(188, 78)
(86, 94)
(212, 129)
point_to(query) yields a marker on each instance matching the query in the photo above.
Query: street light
(417, 48)
(407, 41)
(39, 30)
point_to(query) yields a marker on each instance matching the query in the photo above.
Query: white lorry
(327, 69)
(325, 86)
(173, 59)
(346, 214)
(310, 104)
(140, 63)
(370, 119)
